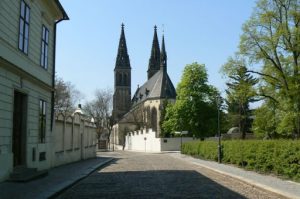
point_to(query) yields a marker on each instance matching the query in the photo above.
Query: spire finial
(122, 25)
(163, 28)
(155, 27)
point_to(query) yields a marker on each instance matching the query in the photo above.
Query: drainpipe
(65, 17)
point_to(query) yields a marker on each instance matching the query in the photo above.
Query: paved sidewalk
(58, 179)
(286, 188)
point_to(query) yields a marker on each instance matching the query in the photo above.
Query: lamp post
(219, 133)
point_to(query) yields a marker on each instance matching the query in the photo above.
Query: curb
(80, 177)
(248, 181)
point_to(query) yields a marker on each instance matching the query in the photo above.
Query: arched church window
(148, 117)
(154, 119)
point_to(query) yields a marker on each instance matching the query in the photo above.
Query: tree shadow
(149, 184)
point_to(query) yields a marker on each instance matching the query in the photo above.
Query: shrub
(281, 157)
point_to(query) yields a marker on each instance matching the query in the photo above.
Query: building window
(154, 120)
(44, 50)
(42, 121)
(24, 27)
(125, 80)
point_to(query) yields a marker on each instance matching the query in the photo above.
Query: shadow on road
(149, 184)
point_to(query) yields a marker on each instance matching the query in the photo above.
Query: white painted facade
(146, 141)
(74, 139)
(23, 77)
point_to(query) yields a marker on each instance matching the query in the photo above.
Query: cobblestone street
(141, 175)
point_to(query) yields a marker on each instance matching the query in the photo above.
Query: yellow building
(27, 70)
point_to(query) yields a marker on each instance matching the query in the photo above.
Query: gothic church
(143, 110)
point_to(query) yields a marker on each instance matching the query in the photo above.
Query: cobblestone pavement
(141, 175)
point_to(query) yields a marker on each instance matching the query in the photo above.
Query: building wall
(9, 82)
(40, 14)
(74, 138)
(22, 72)
(142, 140)
(128, 124)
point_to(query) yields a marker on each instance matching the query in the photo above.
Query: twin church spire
(158, 58)
(122, 72)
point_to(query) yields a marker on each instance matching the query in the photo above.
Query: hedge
(280, 157)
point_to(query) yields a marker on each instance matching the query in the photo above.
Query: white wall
(147, 142)
(75, 139)
(143, 141)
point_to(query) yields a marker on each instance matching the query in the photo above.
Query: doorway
(19, 128)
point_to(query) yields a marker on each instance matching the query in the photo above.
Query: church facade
(142, 111)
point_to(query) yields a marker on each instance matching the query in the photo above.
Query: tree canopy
(195, 109)
(270, 44)
(239, 94)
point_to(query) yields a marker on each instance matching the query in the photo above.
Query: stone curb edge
(248, 181)
(82, 176)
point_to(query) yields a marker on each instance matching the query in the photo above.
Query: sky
(203, 31)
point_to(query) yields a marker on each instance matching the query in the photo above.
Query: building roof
(159, 86)
(65, 16)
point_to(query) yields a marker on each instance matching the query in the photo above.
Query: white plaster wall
(173, 144)
(75, 141)
(136, 141)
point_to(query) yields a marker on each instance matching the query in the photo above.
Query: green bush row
(281, 157)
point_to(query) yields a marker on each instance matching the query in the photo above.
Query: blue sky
(203, 31)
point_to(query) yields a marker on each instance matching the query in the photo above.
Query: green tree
(195, 109)
(240, 93)
(271, 40)
(272, 36)
(163, 112)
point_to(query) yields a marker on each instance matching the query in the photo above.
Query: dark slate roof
(159, 86)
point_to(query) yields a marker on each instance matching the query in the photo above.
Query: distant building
(27, 71)
(143, 110)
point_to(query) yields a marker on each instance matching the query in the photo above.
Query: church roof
(159, 86)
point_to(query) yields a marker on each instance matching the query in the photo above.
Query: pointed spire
(122, 60)
(154, 61)
(163, 55)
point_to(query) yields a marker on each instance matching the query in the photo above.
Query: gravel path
(141, 175)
